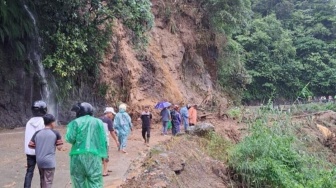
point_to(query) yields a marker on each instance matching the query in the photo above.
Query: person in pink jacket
(192, 115)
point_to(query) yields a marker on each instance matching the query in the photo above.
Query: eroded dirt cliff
(178, 64)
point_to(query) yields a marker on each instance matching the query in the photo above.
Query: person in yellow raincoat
(87, 136)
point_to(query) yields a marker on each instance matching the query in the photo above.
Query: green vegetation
(77, 33)
(272, 155)
(276, 152)
(137, 16)
(274, 47)
(289, 44)
(217, 147)
(15, 26)
(235, 113)
(315, 107)
(227, 18)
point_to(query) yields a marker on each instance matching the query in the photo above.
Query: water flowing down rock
(35, 58)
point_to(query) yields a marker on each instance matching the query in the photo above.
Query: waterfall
(34, 56)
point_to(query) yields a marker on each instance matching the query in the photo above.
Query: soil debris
(180, 162)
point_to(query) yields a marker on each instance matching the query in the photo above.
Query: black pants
(144, 131)
(31, 162)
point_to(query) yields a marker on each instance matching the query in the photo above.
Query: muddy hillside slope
(179, 64)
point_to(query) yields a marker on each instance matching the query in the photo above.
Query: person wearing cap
(146, 118)
(185, 116)
(123, 124)
(45, 142)
(108, 125)
(87, 136)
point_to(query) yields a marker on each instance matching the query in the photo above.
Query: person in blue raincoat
(123, 124)
(185, 116)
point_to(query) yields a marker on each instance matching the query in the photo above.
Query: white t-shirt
(33, 125)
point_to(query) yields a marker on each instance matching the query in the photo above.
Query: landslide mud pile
(178, 65)
(180, 162)
(326, 124)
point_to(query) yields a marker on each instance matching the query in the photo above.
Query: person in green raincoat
(123, 124)
(87, 136)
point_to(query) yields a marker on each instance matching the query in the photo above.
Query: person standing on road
(45, 142)
(123, 124)
(39, 109)
(185, 116)
(192, 115)
(87, 136)
(176, 120)
(108, 126)
(146, 118)
(165, 118)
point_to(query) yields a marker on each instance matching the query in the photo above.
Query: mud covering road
(13, 159)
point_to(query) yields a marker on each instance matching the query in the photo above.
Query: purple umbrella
(161, 105)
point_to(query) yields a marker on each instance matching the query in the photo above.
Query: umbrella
(160, 105)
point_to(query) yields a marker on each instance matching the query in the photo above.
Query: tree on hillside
(313, 25)
(228, 16)
(15, 26)
(269, 59)
(289, 44)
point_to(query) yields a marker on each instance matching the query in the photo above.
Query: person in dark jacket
(176, 120)
(146, 118)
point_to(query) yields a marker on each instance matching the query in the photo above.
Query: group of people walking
(175, 116)
(89, 137)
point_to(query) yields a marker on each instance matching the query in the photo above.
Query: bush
(269, 157)
(217, 146)
(235, 113)
(137, 16)
(315, 107)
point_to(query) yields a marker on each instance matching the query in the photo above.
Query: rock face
(19, 86)
(201, 129)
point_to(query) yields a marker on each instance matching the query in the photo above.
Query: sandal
(109, 170)
(106, 174)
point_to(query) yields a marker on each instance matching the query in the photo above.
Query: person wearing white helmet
(123, 124)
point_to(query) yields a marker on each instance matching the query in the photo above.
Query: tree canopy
(288, 44)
